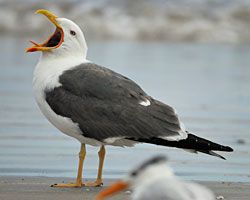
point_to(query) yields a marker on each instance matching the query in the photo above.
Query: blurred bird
(98, 106)
(154, 180)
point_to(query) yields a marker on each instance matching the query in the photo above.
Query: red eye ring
(72, 32)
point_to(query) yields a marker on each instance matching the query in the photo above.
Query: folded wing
(107, 105)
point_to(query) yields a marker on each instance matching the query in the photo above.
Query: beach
(30, 188)
(206, 83)
(191, 55)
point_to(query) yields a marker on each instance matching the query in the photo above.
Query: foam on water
(225, 21)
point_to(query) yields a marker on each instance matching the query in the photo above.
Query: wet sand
(30, 188)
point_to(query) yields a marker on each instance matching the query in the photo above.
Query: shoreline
(29, 188)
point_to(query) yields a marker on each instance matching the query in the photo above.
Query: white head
(151, 170)
(67, 40)
(155, 168)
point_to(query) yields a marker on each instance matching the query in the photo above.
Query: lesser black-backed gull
(98, 106)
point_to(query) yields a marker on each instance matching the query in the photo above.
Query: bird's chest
(44, 80)
(64, 124)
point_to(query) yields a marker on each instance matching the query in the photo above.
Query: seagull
(155, 180)
(98, 106)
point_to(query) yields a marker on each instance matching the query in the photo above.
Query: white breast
(46, 76)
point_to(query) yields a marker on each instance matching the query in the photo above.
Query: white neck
(45, 58)
(50, 67)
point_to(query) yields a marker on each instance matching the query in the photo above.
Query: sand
(36, 188)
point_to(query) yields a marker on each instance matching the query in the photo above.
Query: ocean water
(208, 85)
(223, 21)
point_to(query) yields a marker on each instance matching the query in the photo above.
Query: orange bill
(54, 41)
(111, 190)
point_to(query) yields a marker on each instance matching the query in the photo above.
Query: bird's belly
(64, 124)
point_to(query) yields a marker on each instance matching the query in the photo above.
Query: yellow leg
(78, 182)
(98, 181)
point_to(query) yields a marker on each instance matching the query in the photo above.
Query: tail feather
(192, 142)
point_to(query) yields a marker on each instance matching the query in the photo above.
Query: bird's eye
(72, 32)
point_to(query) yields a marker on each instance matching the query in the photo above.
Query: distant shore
(38, 188)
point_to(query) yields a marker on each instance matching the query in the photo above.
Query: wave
(225, 21)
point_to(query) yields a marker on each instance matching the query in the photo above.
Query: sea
(208, 85)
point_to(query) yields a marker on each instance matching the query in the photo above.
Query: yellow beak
(111, 190)
(52, 17)
(59, 32)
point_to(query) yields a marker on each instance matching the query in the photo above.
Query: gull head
(155, 168)
(67, 39)
(151, 170)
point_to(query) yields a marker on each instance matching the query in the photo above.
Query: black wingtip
(229, 149)
(192, 142)
(217, 155)
(212, 153)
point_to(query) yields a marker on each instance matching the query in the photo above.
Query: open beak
(54, 41)
(113, 189)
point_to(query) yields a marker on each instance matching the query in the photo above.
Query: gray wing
(106, 104)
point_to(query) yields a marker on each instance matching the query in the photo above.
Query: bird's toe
(67, 185)
(97, 183)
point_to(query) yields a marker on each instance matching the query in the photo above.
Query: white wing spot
(183, 128)
(145, 103)
(112, 139)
